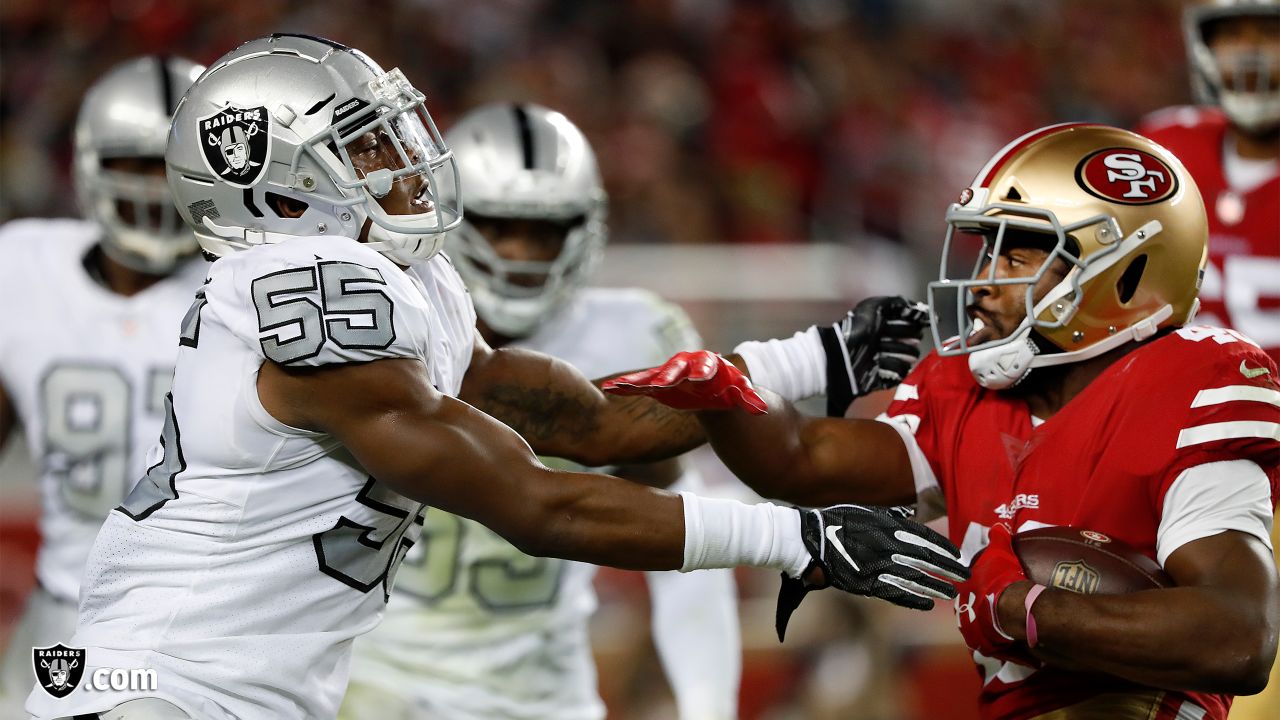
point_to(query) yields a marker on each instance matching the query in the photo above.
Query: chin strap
(1007, 365)
(240, 237)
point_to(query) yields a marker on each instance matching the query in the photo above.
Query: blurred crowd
(759, 121)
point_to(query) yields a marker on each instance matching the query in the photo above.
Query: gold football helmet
(1120, 210)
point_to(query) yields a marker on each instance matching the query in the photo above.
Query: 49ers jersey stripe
(1232, 393)
(1228, 430)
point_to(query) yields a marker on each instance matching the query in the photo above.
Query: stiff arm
(812, 461)
(439, 450)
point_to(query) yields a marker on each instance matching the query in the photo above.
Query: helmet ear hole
(1128, 283)
(284, 206)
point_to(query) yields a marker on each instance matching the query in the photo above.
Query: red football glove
(699, 380)
(991, 572)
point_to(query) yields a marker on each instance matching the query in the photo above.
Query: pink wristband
(1032, 594)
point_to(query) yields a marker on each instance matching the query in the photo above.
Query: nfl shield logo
(1077, 576)
(236, 144)
(58, 668)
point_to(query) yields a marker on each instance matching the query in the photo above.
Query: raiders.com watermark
(60, 670)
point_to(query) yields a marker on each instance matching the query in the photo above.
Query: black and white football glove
(877, 552)
(872, 348)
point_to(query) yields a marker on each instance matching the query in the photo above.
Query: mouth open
(421, 200)
(983, 329)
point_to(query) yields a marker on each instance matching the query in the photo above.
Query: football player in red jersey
(1231, 146)
(1072, 393)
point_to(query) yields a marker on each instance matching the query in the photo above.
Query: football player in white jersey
(259, 543)
(476, 629)
(86, 345)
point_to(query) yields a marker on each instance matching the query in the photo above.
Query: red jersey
(1104, 462)
(1242, 283)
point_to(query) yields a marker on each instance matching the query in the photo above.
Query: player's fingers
(919, 582)
(899, 350)
(637, 379)
(931, 542)
(902, 344)
(901, 328)
(702, 366)
(747, 399)
(673, 371)
(917, 313)
(933, 565)
(893, 368)
(900, 593)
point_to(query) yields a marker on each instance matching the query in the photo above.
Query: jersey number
(366, 556)
(353, 313)
(87, 432)
(505, 581)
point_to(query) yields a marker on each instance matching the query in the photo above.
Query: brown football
(1086, 561)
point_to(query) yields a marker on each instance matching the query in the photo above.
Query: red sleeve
(1227, 405)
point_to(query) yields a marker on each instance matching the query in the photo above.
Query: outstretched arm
(782, 453)
(563, 414)
(812, 461)
(442, 451)
(438, 450)
(560, 413)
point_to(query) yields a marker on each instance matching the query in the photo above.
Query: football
(1086, 561)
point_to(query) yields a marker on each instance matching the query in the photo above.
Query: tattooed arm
(563, 414)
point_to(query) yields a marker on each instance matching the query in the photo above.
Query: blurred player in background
(1070, 394)
(259, 544)
(1231, 146)
(476, 629)
(87, 344)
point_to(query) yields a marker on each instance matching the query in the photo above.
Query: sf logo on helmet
(1126, 175)
(236, 143)
(58, 668)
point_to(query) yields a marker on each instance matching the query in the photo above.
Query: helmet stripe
(526, 135)
(999, 159)
(167, 99)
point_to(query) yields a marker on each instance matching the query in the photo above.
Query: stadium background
(767, 163)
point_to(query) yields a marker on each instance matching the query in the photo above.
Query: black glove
(875, 552)
(872, 348)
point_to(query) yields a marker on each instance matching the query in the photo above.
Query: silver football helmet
(125, 115)
(525, 162)
(1219, 79)
(291, 135)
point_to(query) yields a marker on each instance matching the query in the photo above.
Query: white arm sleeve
(696, 632)
(1212, 498)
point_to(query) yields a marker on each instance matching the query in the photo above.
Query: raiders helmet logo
(1127, 176)
(58, 668)
(236, 144)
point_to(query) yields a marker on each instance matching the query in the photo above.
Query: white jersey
(477, 630)
(86, 370)
(244, 563)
